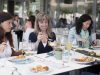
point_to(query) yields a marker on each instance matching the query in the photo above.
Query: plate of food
(96, 47)
(84, 60)
(95, 53)
(40, 69)
(21, 59)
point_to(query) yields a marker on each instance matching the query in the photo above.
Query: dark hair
(79, 23)
(32, 19)
(2, 35)
(37, 11)
(9, 38)
(15, 15)
(3, 17)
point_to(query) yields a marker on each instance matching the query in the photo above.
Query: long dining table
(10, 66)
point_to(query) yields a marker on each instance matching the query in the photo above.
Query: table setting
(64, 58)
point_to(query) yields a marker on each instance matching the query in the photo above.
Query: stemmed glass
(32, 47)
(53, 44)
(69, 47)
(63, 42)
(22, 45)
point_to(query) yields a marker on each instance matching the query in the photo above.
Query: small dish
(40, 69)
(84, 60)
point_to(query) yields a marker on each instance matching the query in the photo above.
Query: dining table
(12, 66)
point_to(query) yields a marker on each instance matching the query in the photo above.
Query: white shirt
(44, 44)
(73, 37)
(7, 51)
(15, 40)
(27, 33)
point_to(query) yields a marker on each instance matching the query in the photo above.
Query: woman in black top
(42, 34)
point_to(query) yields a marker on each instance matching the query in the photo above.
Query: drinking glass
(53, 45)
(63, 42)
(23, 44)
(30, 45)
(33, 46)
(68, 47)
(85, 44)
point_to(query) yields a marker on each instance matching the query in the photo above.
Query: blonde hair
(41, 17)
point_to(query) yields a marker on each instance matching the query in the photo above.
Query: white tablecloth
(55, 66)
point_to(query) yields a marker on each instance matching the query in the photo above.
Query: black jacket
(41, 48)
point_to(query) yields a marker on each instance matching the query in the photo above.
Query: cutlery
(16, 70)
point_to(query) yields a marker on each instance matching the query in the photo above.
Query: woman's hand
(83, 40)
(94, 43)
(2, 47)
(45, 38)
(42, 37)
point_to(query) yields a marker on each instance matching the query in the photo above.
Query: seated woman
(5, 49)
(82, 32)
(6, 41)
(42, 34)
(29, 27)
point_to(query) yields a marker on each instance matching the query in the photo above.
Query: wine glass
(30, 45)
(63, 42)
(68, 47)
(22, 44)
(34, 49)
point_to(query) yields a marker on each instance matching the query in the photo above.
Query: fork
(16, 70)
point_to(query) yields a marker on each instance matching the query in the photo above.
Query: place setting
(21, 59)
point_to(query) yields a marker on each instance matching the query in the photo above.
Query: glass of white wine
(69, 47)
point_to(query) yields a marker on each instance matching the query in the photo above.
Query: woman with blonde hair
(42, 33)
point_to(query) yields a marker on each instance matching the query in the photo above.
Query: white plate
(43, 72)
(21, 61)
(79, 62)
(96, 47)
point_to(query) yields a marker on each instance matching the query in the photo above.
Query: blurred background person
(29, 27)
(62, 23)
(17, 22)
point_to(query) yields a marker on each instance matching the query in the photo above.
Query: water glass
(30, 45)
(33, 47)
(80, 44)
(85, 44)
(69, 47)
(65, 56)
(58, 53)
